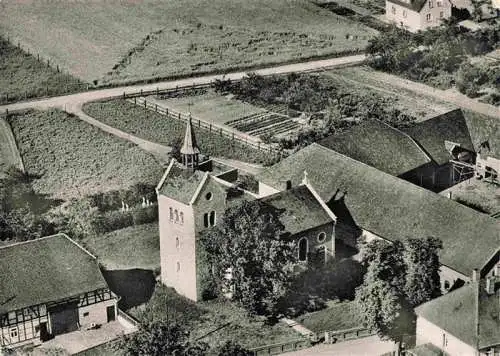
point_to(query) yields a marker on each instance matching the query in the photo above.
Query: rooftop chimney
(490, 285)
(475, 273)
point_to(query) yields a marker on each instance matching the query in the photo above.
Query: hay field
(117, 41)
(71, 158)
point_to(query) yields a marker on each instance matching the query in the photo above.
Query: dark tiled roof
(456, 311)
(181, 183)
(379, 145)
(484, 129)
(391, 207)
(301, 210)
(431, 134)
(415, 5)
(45, 270)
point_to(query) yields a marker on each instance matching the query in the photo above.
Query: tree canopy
(250, 256)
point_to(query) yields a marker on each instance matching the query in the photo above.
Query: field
(22, 76)
(214, 322)
(132, 247)
(163, 130)
(70, 158)
(116, 41)
(211, 107)
(338, 316)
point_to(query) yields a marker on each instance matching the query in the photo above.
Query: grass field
(117, 41)
(132, 247)
(161, 129)
(337, 316)
(22, 76)
(212, 107)
(214, 322)
(70, 158)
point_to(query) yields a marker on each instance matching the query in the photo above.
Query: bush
(145, 215)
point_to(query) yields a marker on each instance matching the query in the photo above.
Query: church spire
(189, 149)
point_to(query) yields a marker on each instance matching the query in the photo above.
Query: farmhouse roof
(179, 183)
(379, 145)
(301, 210)
(391, 207)
(431, 134)
(45, 270)
(456, 313)
(414, 5)
(189, 145)
(484, 129)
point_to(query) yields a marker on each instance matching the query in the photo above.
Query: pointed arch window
(205, 219)
(212, 218)
(182, 217)
(177, 243)
(176, 213)
(171, 213)
(303, 249)
(178, 266)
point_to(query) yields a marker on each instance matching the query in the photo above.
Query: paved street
(369, 346)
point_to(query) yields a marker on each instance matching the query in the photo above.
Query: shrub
(145, 215)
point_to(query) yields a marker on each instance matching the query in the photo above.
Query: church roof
(391, 207)
(456, 313)
(431, 134)
(301, 210)
(189, 146)
(46, 270)
(379, 145)
(180, 183)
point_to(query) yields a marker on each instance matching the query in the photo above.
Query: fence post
(258, 145)
(210, 128)
(141, 92)
(167, 111)
(157, 91)
(179, 116)
(123, 95)
(156, 107)
(220, 132)
(135, 100)
(199, 123)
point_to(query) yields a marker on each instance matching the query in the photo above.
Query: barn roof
(391, 207)
(414, 5)
(456, 312)
(379, 145)
(431, 134)
(301, 210)
(46, 270)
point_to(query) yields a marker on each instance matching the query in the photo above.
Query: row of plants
(264, 121)
(165, 130)
(438, 56)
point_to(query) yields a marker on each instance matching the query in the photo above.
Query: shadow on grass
(133, 286)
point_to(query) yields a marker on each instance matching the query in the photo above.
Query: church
(330, 201)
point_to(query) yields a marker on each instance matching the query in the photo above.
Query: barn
(50, 286)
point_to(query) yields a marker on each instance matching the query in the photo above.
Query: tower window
(212, 218)
(428, 17)
(178, 266)
(177, 243)
(208, 196)
(176, 213)
(303, 247)
(182, 217)
(171, 214)
(205, 220)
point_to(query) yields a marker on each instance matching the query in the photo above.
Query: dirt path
(9, 153)
(383, 80)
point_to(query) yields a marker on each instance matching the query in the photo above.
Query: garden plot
(266, 122)
(118, 41)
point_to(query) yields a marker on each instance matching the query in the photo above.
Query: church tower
(189, 150)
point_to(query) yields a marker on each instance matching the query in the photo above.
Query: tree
(232, 349)
(159, 339)
(400, 276)
(250, 243)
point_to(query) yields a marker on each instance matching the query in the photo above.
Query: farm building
(50, 286)
(329, 199)
(193, 196)
(416, 15)
(435, 154)
(465, 321)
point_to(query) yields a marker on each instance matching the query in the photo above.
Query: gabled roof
(189, 146)
(301, 210)
(379, 145)
(180, 183)
(484, 129)
(391, 207)
(46, 270)
(431, 134)
(414, 5)
(456, 313)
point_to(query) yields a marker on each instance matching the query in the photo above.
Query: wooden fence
(248, 140)
(332, 337)
(277, 349)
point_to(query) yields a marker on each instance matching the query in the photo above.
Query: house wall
(314, 244)
(414, 21)
(23, 331)
(427, 332)
(265, 190)
(449, 277)
(177, 247)
(97, 313)
(396, 13)
(437, 13)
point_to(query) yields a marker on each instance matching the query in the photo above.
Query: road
(62, 102)
(369, 346)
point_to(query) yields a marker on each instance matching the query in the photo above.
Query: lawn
(132, 247)
(116, 41)
(23, 77)
(161, 129)
(211, 107)
(214, 322)
(70, 158)
(337, 316)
